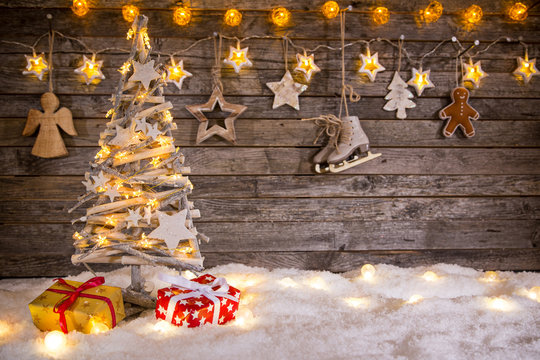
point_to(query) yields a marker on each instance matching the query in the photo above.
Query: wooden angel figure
(49, 143)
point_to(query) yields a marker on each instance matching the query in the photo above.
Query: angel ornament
(49, 143)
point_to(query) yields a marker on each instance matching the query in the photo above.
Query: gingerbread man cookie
(459, 114)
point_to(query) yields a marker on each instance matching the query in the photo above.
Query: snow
(311, 315)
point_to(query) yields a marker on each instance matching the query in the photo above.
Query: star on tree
(133, 218)
(172, 229)
(144, 73)
(286, 91)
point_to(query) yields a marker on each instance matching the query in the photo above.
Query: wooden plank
(313, 209)
(253, 82)
(268, 186)
(260, 107)
(287, 161)
(106, 23)
(14, 265)
(310, 236)
(293, 132)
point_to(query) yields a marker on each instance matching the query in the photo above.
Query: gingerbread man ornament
(459, 114)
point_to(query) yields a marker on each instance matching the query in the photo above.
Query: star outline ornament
(168, 223)
(420, 80)
(176, 74)
(36, 65)
(286, 91)
(90, 70)
(306, 64)
(370, 65)
(526, 69)
(474, 73)
(238, 61)
(228, 132)
(144, 73)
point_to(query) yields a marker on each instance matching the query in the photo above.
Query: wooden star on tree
(144, 73)
(172, 229)
(228, 132)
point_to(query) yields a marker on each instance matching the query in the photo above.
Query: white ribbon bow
(197, 290)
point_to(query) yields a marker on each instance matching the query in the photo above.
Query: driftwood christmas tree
(140, 212)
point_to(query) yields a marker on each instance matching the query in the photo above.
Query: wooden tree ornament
(141, 214)
(49, 143)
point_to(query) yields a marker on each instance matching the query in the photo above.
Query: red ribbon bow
(71, 295)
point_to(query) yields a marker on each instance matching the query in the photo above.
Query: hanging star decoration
(420, 80)
(36, 65)
(90, 70)
(228, 133)
(172, 229)
(286, 91)
(306, 64)
(176, 74)
(144, 73)
(526, 69)
(370, 65)
(474, 73)
(238, 58)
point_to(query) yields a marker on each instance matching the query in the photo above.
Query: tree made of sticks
(140, 212)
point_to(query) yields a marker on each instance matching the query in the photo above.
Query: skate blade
(344, 165)
(321, 170)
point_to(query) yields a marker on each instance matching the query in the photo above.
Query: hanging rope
(345, 88)
(216, 69)
(51, 42)
(330, 125)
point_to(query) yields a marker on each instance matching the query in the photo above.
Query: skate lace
(330, 125)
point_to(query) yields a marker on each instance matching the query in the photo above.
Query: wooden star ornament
(370, 65)
(228, 132)
(420, 80)
(90, 70)
(238, 58)
(176, 74)
(49, 143)
(474, 73)
(144, 73)
(172, 229)
(286, 91)
(36, 65)
(526, 68)
(306, 64)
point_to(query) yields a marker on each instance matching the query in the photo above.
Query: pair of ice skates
(351, 149)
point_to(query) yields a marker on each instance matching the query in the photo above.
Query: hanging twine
(353, 96)
(51, 42)
(286, 53)
(330, 125)
(216, 69)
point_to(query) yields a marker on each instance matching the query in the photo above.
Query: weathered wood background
(428, 199)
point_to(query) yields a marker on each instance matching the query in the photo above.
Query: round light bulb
(518, 12)
(98, 327)
(415, 299)
(368, 272)
(280, 16)
(330, 9)
(473, 14)
(499, 304)
(80, 7)
(534, 293)
(491, 276)
(381, 15)
(430, 276)
(233, 17)
(182, 16)
(55, 340)
(243, 317)
(432, 12)
(130, 12)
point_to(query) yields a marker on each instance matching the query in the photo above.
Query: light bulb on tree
(432, 12)
(473, 14)
(130, 12)
(380, 15)
(280, 16)
(80, 7)
(330, 9)
(233, 17)
(182, 15)
(518, 12)
(55, 341)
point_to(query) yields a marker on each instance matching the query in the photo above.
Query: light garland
(370, 65)
(280, 16)
(518, 12)
(330, 9)
(36, 65)
(232, 17)
(238, 58)
(176, 74)
(182, 15)
(526, 68)
(380, 15)
(473, 14)
(420, 80)
(130, 12)
(80, 7)
(90, 69)
(432, 12)
(306, 64)
(474, 73)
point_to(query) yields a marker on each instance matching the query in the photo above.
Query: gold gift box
(84, 314)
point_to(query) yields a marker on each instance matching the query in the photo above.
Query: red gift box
(203, 300)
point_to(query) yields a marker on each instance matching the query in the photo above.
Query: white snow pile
(312, 315)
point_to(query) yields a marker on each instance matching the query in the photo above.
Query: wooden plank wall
(428, 199)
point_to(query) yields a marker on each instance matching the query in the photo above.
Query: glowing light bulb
(288, 282)
(499, 304)
(432, 12)
(490, 276)
(182, 15)
(359, 303)
(90, 69)
(77, 236)
(144, 242)
(518, 12)
(80, 7)
(36, 65)
(318, 283)
(534, 293)
(189, 275)
(430, 276)
(55, 340)
(246, 299)
(306, 64)
(233, 17)
(473, 14)
(102, 240)
(526, 68)
(280, 16)
(163, 327)
(243, 318)
(98, 327)
(5, 329)
(130, 12)
(380, 15)
(330, 9)
(368, 272)
(415, 299)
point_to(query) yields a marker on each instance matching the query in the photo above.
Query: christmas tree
(140, 214)
(398, 97)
